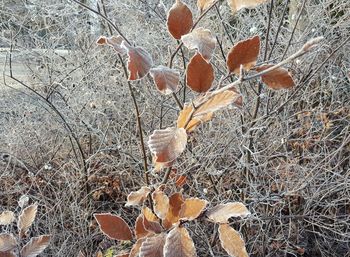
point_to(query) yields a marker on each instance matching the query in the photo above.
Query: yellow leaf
(232, 241)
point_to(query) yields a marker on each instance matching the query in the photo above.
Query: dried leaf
(35, 246)
(167, 144)
(277, 79)
(7, 242)
(204, 4)
(190, 117)
(202, 40)
(139, 62)
(173, 216)
(26, 219)
(200, 74)
(99, 254)
(135, 250)
(113, 41)
(244, 53)
(166, 79)
(7, 217)
(123, 255)
(236, 5)
(232, 241)
(179, 243)
(7, 254)
(192, 208)
(138, 197)
(153, 246)
(150, 221)
(222, 212)
(113, 226)
(180, 181)
(140, 230)
(180, 20)
(161, 203)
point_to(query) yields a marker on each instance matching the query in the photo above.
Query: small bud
(312, 43)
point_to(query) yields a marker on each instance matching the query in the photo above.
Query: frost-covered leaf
(222, 212)
(167, 144)
(179, 243)
(7, 217)
(277, 79)
(35, 246)
(199, 74)
(113, 41)
(153, 246)
(192, 208)
(26, 219)
(135, 250)
(7, 254)
(139, 62)
(151, 221)
(113, 226)
(180, 20)
(166, 79)
(160, 203)
(7, 242)
(138, 197)
(243, 53)
(173, 216)
(140, 230)
(202, 40)
(204, 4)
(232, 241)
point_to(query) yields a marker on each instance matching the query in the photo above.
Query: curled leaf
(150, 221)
(277, 79)
(204, 4)
(138, 197)
(236, 5)
(232, 241)
(113, 41)
(26, 219)
(244, 53)
(161, 203)
(139, 62)
(179, 243)
(153, 246)
(173, 216)
(7, 217)
(192, 208)
(7, 242)
(35, 246)
(166, 79)
(202, 40)
(200, 74)
(167, 144)
(113, 226)
(180, 20)
(222, 212)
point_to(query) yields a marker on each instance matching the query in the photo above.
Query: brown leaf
(173, 216)
(26, 219)
(277, 79)
(192, 208)
(113, 41)
(236, 5)
(113, 226)
(205, 107)
(202, 40)
(232, 241)
(140, 230)
(153, 246)
(160, 203)
(166, 79)
(123, 255)
(7, 242)
(135, 250)
(179, 243)
(35, 246)
(139, 62)
(204, 4)
(138, 197)
(7, 217)
(222, 212)
(200, 74)
(150, 221)
(179, 20)
(180, 181)
(244, 53)
(7, 254)
(167, 144)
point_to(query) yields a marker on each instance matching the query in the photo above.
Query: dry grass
(296, 183)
